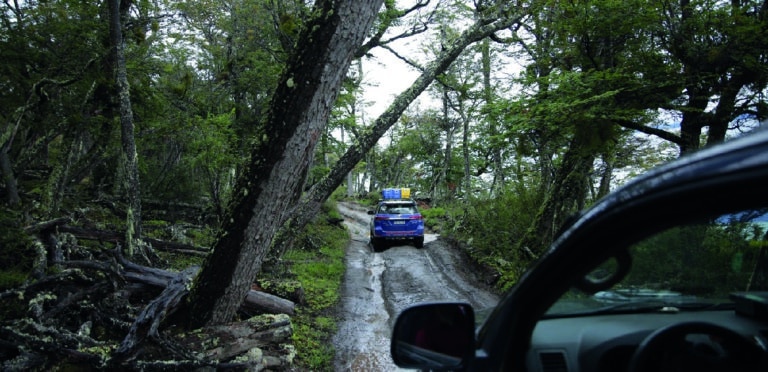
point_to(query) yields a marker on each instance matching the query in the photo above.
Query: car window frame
(701, 176)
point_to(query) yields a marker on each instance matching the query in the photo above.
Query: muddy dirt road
(377, 286)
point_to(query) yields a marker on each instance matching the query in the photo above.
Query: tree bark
(498, 168)
(6, 169)
(132, 188)
(275, 175)
(448, 192)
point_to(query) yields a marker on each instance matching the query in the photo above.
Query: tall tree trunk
(61, 171)
(498, 169)
(565, 197)
(445, 191)
(312, 201)
(609, 158)
(465, 151)
(275, 175)
(12, 192)
(693, 120)
(7, 136)
(133, 244)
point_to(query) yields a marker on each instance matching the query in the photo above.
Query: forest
(218, 133)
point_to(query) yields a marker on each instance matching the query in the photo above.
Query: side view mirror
(603, 279)
(434, 336)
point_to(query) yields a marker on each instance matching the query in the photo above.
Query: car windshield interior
(686, 267)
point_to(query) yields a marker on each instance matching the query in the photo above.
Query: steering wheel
(669, 349)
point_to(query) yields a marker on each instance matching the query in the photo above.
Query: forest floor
(89, 308)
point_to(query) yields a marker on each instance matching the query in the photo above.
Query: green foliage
(311, 339)
(16, 255)
(330, 209)
(12, 278)
(318, 264)
(370, 199)
(179, 262)
(490, 229)
(204, 172)
(204, 237)
(700, 252)
(413, 157)
(317, 173)
(339, 194)
(433, 217)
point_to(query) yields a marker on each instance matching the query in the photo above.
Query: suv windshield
(686, 267)
(397, 208)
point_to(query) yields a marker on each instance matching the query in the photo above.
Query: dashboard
(607, 342)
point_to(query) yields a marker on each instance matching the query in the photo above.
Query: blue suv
(396, 220)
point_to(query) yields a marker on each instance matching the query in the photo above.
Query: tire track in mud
(362, 339)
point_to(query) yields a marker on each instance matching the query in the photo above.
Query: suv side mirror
(434, 336)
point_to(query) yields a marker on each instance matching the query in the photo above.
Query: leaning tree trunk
(276, 173)
(311, 203)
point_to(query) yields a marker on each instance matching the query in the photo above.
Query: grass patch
(312, 340)
(318, 264)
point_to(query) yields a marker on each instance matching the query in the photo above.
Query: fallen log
(148, 322)
(265, 302)
(117, 237)
(223, 342)
(62, 309)
(260, 343)
(231, 339)
(45, 225)
(254, 301)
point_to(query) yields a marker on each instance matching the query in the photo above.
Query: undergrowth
(318, 263)
(17, 254)
(490, 230)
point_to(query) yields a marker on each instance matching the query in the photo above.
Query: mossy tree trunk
(130, 161)
(565, 197)
(6, 169)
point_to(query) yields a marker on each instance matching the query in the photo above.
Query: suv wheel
(419, 242)
(377, 244)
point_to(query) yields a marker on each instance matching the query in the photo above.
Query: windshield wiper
(639, 307)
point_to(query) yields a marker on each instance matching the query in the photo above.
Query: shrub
(433, 217)
(490, 229)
